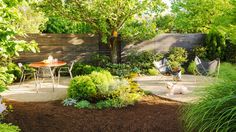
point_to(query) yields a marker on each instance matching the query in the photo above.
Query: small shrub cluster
(142, 60)
(101, 90)
(84, 69)
(176, 57)
(216, 105)
(9, 128)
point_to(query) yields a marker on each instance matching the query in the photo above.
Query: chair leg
(70, 74)
(58, 78)
(21, 79)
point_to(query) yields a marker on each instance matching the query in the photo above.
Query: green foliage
(31, 21)
(83, 69)
(69, 102)
(100, 60)
(121, 70)
(227, 71)
(2, 86)
(142, 60)
(216, 105)
(197, 15)
(165, 23)
(199, 51)
(15, 70)
(9, 128)
(6, 77)
(83, 104)
(176, 57)
(153, 71)
(216, 44)
(102, 81)
(192, 68)
(57, 24)
(82, 87)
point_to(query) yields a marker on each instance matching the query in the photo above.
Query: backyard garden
(110, 68)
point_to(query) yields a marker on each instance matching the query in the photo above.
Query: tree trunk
(114, 53)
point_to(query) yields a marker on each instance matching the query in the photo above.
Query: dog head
(169, 85)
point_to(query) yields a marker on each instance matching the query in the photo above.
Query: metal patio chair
(25, 73)
(163, 68)
(66, 69)
(207, 68)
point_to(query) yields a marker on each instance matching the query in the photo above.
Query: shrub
(9, 128)
(199, 51)
(83, 104)
(6, 77)
(2, 86)
(82, 87)
(83, 69)
(99, 60)
(142, 60)
(69, 102)
(153, 71)
(102, 81)
(176, 57)
(121, 70)
(15, 70)
(192, 68)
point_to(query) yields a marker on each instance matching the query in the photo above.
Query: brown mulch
(150, 114)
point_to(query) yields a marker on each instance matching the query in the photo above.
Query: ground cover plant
(217, 105)
(101, 90)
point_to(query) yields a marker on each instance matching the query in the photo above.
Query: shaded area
(150, 114)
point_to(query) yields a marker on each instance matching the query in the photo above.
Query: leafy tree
(10, 46)
(106, 17)
(197, 15)
(165, 23)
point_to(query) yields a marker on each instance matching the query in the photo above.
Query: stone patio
(155, 84)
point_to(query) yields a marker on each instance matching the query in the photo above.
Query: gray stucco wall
(163, 42)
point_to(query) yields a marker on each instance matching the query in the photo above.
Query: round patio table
(41, 65)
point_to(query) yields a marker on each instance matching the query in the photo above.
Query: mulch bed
(150, 114)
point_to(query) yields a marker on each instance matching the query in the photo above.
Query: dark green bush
(82, 87)
(100, 60)
(116, 103)
(9, 128)
(142, 60)
(83, 69)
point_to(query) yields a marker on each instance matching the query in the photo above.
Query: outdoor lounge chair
(207, 68)
(162, 67)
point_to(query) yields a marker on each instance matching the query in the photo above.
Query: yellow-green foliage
(9, 128)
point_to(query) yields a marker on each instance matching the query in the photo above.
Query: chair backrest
(161, 66)
(207, 67)
(72, 64)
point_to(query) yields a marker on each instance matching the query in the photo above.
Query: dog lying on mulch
(176, 89)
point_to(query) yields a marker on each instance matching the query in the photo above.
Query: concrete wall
(70, 46)
(162, 43)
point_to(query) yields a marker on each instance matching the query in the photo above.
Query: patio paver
(157, 86)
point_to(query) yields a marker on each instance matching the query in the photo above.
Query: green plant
(9, 128)
(176, 57)
(102, 81)
(2, 86)
(83, 69)
(83, 104)
(153, 71)
(192, 68)
(121, 70)
(216, 105)
(15, 70)
(6, 77)
(82, 87)
(69, 102)
(99, 60)
(142, 60)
